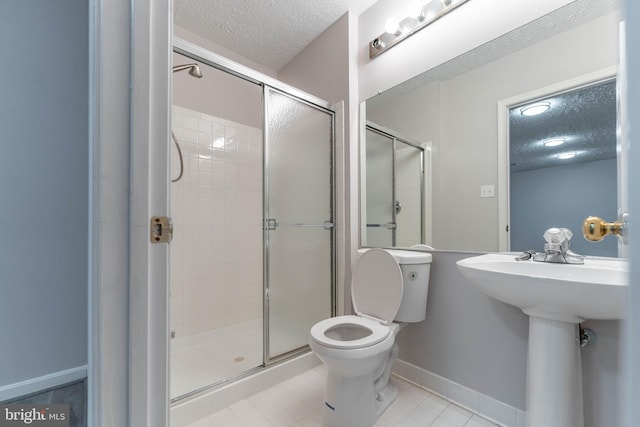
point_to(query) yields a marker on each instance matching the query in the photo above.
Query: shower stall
(252, 261)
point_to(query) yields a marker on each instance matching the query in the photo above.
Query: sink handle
(558, 236)
(526, 255)
(595, 228)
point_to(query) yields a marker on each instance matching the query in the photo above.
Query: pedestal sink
(556, 297)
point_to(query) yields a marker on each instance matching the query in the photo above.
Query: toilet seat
(376, 332)
(376, 292)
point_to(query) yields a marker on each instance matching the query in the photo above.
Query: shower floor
(204, 359)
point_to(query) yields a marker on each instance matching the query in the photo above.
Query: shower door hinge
(161, 229)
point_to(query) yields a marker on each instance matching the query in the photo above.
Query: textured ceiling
(585, 117)
(269, 32)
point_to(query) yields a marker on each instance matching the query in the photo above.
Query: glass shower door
(380, 187)
(299, 229)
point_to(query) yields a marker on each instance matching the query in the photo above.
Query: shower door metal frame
(221, 63)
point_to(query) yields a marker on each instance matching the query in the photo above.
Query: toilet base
(351, 401)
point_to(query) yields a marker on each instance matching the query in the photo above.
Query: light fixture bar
(410, 25)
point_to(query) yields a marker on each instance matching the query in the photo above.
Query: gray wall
(481, 343)
(467, 337)
(563, 197)
(322, 68)
(602, 374)
(44, 187)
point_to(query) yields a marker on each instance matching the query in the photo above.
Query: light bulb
(392, 26)
(433, 8)
(414, 9)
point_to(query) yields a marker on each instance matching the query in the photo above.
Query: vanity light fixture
(420, 14)
(567, 155)
(535, 109)
(554, 142)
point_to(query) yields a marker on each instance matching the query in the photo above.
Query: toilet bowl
(389, 288)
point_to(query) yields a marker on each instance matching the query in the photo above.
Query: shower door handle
(388, 225)
(272, 224)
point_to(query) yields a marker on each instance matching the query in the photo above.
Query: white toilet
(388, 289)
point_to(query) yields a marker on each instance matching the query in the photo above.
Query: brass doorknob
(595, 228)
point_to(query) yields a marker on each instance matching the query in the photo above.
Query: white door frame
(129, 52)
(149, 262)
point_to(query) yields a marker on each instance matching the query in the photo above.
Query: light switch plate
(487, 191)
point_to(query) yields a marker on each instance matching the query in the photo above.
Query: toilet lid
(376, 285)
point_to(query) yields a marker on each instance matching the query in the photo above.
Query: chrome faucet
(557, 248)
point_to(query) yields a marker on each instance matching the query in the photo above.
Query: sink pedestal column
(554, 374)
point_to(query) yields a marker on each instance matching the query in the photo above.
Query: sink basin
(556, 297)
(565, 292)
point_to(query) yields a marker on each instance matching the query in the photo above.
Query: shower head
(194, 69)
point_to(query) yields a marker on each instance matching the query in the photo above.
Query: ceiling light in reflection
(567, 155)
(554, 142)
(535, 109)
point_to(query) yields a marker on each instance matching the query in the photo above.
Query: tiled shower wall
(216, 252)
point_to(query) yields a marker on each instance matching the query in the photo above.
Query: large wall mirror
(456, 105)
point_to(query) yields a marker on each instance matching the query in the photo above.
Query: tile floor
(297, 402)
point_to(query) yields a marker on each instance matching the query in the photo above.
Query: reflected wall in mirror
(395, 189)
(455, 107)
(563, 165)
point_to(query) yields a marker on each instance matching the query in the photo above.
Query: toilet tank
(416, 268)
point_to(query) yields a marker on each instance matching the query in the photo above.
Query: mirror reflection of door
(394, 190)
(563, 166)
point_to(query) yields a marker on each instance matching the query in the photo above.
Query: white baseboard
(472, 400)
(42, 383)
(190, 411)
